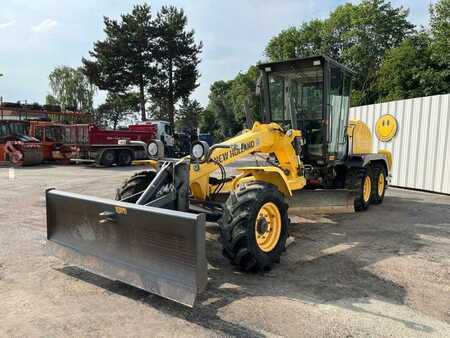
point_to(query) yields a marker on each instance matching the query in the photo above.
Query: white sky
(36, 36)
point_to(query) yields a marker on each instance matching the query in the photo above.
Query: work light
(199, 150)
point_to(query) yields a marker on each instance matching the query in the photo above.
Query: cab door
(337, 111)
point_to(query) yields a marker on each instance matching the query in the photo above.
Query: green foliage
(228, 103)
(116, 108)
(71, 89)
(355, 35)
(177, 57)
(208, 123)
(124, 60)
(440, 30)
(420, 66)
(293, 42)
(189, 114)
(376, 40)
(51, 100)
(158, 56)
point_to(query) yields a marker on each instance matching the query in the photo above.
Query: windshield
(18, 128)
(296, 94)
(54, 134)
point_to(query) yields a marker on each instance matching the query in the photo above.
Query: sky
(38, 35)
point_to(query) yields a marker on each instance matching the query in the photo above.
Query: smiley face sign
(386, 128)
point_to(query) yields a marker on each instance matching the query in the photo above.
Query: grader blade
(161, 251)
(322, 201)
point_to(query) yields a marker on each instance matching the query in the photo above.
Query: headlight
(199, 150)
(152, 149)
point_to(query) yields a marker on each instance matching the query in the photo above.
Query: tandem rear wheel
(370, 182)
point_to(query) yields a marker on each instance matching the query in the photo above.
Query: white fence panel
(421, 147)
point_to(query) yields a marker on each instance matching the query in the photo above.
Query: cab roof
(303, 62)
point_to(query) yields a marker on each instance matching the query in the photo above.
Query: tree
(243, 96)
(177, 59)
(408, 70)
(229, 103)
(294, 42)
(71, 89)
(355, 35)
(221, 104)
(208, 122)
(188, 114)
(124, 60)
(51, 100)
(440, 30)
(116, 108)
(420, 65)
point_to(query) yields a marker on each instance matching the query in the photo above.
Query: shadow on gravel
(329, 262)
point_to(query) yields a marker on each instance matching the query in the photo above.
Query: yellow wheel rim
(380, 184)
(367, 189)
(268, 227)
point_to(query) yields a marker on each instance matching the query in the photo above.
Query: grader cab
(153, 235)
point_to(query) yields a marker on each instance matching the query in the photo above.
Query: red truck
(108, 147)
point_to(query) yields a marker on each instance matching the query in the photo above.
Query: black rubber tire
(108, 158)
(376, 197)
(124, 158)
(354, 180)
(237, 230)
(135, 184)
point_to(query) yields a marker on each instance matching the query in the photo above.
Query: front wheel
(254, 227)
(134, 185)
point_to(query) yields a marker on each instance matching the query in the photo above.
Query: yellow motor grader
(153, 235)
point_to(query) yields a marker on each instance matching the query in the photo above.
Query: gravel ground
(384, 272)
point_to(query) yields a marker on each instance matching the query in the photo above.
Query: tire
(135, 184)
(108, 158)
(124, 158)
(355, 181)
(379, 184)
(242, 220)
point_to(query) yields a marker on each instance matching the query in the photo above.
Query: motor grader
(153, 235)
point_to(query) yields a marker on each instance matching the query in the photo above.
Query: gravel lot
(384, 272)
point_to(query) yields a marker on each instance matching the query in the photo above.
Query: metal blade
(326, 201)
(159, 250)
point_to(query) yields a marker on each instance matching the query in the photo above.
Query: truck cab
(164, 132)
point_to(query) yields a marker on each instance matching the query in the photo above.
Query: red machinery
(53, 140)
(16, 147)
(108, 147)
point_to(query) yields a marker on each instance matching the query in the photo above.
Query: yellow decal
(386, 128)
(121, 210)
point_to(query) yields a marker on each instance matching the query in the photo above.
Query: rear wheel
(254, 227)
(124, 158)
(108, 158)
(360, 180)
(378, 185)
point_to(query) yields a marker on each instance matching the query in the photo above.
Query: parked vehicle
(108, 147)
(16, 147)
(152, 236)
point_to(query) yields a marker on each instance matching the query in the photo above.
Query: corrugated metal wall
(421, 147)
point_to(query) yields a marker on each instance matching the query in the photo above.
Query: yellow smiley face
(386, 128)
